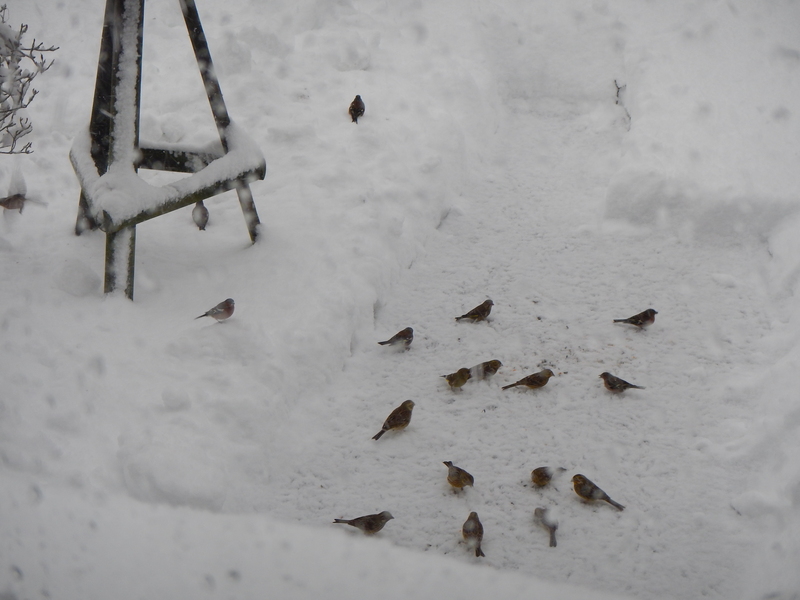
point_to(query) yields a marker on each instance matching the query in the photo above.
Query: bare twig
(20, 63)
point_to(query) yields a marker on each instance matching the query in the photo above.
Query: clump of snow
(78, 278)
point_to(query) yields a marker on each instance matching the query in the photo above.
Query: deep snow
(145, 453)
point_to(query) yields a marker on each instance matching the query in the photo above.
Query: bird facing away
(534, 381)
(541, 476)
(615, 384)
(404, 337)
(459, 378)
(643, 319)
(369, 524)
(458, 477)
(200, 215)
(479, 313)
(356, 108)
(398, 419)
(587, 490)
(472, 532)
(221, 311)
(485, 369)
(542, 517)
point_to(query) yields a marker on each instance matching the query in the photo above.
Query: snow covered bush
(15, 83)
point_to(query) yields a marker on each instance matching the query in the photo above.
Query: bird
(459, 378)
(404, 337)
(615, 384)
(479, 313)
(369, 524)
(587, 490)
(541, 476)
(398, 419)
(221, 311)
(534, 381)
(13, 202)
(472, 532)
(485, 369)
(542, 516)
(643, 319)
(458, 477)
(356, 108)
(200, 215)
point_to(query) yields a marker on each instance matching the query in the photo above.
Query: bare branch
(20, 63)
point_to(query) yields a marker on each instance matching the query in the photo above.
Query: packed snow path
(528, 236)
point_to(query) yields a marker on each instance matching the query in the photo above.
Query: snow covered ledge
(120, 198)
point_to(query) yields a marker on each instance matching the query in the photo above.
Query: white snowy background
(145, 454)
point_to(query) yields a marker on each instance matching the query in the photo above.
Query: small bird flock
(399, 419)
(472, 530)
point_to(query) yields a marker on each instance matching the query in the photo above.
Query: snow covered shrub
(15, 83)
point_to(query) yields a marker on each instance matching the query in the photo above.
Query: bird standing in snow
(587, 490)
(643, 319)
(541, 476)
(485, 369)
(200, 215)
(542, 517)
(398, 419)
(13, 202)
(369, 524)
(458, 477)
(615, 384)
(221, 311)
(479, 313)
(356, 108)
(404, 337)
(534, 381)
(459, 378)
(472, 532)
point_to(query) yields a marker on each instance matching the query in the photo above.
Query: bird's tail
(505, 387)
(340, 521)
(616, 505)
(638, 387)
(621, 321)
(479, 552)
(378, 435)
(384, 343)
(201, 316)
(552, 537)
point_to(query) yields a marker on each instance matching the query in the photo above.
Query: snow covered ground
(144, 453)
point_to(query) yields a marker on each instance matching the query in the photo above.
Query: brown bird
(617, 385)
(479, 313)
(541, 476)
(472, 532)
(404, 337)
(398, 419)
(221, 311)
(587, 490)
(643, 319)
(13, 202)
(485, 369)
(534, 381)
(459, 378)
(542, 516)
(356, 108)
(458, 477)
(369, 524)
(200, 215)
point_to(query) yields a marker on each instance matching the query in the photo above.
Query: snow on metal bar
(120, 198)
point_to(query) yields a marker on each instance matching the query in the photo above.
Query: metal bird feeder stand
(106, 158)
